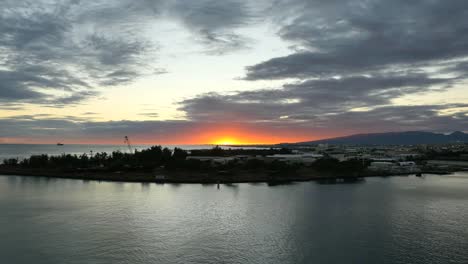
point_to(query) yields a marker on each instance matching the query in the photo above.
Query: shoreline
(186, 177)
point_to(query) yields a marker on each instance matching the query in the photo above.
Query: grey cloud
(89, 113)
(81, 130)
(460, 68)
(343, 37)
(113, 51)
(215, 22)
(217, 107)
(28, 126)
(34, 30)
(401, 118)
(219, 44)
(381, 50)
(364, 42)
(310, 98)
(74, 98)
(150, 115)
(43, 45)
(119, 12)
(212, 15)
(114, 60)
(21, 86)
(10, 106)
(390, 118)
(14, 86)
(77, 45)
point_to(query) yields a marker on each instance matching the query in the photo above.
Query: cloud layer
(64, 51)
(50, 56)
(355, 37)
(349, 63)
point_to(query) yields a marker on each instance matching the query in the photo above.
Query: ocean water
(26, 150)
(381, 220)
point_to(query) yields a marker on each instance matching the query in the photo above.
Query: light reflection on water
(381, 220)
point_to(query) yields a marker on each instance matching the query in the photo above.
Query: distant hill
(395, 138)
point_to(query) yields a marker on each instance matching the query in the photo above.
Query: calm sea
(26, 150)
(381, 220)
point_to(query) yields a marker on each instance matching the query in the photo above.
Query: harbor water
(379, 220)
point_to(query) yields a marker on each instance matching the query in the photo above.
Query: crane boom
(127, 141)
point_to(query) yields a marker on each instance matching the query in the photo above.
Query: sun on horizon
(227, 141)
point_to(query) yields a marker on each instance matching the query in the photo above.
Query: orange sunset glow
(206, 134)
(233, 131)
(233, 134)
(206, 72)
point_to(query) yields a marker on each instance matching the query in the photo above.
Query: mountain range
(394, 138)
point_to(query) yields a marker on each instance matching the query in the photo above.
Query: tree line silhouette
(157, 157)
(150, 158)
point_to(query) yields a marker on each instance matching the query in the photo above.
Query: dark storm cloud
(345, 37)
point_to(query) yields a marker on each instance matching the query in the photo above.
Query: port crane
(127, 141)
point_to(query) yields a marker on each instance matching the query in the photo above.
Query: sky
(231, 71)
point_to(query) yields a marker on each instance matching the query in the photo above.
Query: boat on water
(60, 144)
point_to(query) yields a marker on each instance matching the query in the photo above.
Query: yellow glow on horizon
(227, 141)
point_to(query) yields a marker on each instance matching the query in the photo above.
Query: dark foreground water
(382, 220)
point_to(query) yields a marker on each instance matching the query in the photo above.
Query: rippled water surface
(382, 220)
